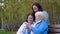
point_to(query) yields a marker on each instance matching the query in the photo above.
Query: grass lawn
(2, 32)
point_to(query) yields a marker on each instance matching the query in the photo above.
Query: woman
(40, 27)
(36, 7)
(22, 29)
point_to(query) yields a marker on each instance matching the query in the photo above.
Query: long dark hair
(28, 15)
(39, 8)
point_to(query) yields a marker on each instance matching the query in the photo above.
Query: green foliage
(15, 11)
(53, 9)
(3, 32)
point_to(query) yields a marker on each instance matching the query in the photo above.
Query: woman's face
(30, 19)
(35, 8)
(38, 18)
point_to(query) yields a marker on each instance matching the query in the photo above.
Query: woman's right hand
(27, 26)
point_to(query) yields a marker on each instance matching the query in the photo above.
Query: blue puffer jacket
(40, 28)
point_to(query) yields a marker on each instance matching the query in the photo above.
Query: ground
(3, 32)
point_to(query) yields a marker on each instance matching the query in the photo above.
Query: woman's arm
(39, 30)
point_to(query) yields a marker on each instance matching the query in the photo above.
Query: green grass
(3, 32)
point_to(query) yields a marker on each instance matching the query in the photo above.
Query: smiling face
(30, 19)
(35, 8)
(38, 18)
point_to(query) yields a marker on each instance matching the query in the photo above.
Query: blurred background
(13, 13)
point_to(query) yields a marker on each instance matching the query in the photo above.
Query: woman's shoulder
(23, 25)
(24, 22)
(45, 11)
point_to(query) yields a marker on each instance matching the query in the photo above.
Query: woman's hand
(27, 26)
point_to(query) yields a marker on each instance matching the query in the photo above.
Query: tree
(15, 11)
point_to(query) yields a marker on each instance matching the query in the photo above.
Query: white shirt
(21, 28)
